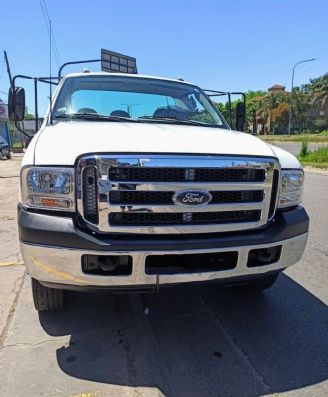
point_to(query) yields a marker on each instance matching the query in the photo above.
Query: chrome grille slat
(166, 197)
(169, 174)
(274, 192)
(245, 202)
(174, 186)
(195, 218)
(176, 209)
(89, 194)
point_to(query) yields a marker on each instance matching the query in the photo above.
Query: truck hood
(62, 143)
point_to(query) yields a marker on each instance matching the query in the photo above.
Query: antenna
(8, 68)
(52, 41)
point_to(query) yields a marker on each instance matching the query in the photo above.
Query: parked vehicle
(138, 182)
(5, 150)
(5, 137)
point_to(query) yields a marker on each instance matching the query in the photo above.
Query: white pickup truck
(138, 182)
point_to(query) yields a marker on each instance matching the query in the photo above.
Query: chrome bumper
(63, 265)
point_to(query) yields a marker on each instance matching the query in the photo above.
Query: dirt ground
(11, 265)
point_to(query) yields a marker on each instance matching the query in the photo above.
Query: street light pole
(129, 107)
(291, 93)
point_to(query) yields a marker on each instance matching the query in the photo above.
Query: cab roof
(135, 76)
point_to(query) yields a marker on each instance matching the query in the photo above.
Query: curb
(312, 170)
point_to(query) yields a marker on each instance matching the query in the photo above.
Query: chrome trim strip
(169, 208)
(104, 162)
(182, 229)
(175, 186)
(62, 265)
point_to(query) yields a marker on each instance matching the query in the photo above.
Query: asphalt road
(193, 341)
(295, 147)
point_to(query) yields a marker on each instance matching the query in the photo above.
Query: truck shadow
(196, 341)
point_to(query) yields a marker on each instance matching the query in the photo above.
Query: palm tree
(319, 88)
(272, 107)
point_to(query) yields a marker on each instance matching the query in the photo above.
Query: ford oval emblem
(192, 198)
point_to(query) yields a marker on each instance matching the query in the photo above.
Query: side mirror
(16, 104)
(240, 116)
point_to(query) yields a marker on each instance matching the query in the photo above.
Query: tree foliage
(319, 89)
(271, 109)
(28, 116)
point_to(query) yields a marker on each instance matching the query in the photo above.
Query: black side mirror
(240, 116)
(16, 104)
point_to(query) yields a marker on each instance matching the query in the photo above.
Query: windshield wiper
(102, 117)
(93, 117)
(175, 120)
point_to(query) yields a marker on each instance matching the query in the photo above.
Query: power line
(271, 77)
(55, 48)
(280, 74)
(50, 31)
(52, 34)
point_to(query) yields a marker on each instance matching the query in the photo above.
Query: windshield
(134, 99)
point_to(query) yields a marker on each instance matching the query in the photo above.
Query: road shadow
(195, 341)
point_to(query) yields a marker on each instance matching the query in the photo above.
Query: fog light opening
(264, 256)
(107, 265)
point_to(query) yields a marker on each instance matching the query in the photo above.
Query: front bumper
(53, 247)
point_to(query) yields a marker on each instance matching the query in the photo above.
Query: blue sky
(223, 45)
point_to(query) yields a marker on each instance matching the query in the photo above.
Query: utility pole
(50, 85)
(291, 93)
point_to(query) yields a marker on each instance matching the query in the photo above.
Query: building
(277, 88)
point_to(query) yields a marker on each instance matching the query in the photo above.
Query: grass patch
(322, 166)
(321, 137)
(314, 158)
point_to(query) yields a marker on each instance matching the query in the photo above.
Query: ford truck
(138, 182)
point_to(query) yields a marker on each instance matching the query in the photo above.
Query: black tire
(47, 299)
(260, 284)
(9, 155)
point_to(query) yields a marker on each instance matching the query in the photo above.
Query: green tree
(250, 107)
(273, 110)
(319, 88)
(301, 108)
(252, 98)
(28, 116)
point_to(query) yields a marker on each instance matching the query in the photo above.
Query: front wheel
(260, 284)
(47, 299)
(9, 155)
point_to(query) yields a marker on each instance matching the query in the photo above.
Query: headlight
(291, 188)
(48, 188)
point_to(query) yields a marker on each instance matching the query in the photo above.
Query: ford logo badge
(192, 197)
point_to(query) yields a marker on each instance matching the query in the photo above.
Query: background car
(4, 149)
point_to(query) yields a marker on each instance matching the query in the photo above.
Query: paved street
(194, 341)
(295, 147)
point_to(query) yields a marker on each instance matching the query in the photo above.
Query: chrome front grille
(135, 194)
